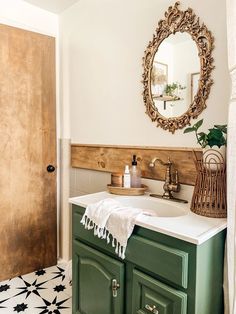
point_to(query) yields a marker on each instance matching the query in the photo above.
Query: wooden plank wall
(110, 158)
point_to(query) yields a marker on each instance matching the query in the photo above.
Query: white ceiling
(55, 6)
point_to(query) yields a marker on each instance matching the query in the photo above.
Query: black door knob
(50, 168)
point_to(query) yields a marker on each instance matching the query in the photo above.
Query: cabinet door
(151, 296)
(95, 276)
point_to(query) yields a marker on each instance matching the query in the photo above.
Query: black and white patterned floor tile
(46, 291)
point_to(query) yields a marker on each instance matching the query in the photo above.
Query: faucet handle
(176, 177)
(175, 185)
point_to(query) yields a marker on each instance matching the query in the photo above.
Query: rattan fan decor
(209, 196)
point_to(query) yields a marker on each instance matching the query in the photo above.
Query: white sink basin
(161, 208)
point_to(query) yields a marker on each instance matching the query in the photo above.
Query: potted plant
(173, 89)
(212, 142)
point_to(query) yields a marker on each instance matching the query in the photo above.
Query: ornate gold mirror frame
(180, 21)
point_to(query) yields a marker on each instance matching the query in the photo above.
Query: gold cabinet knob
(115, 286)
(151, 309)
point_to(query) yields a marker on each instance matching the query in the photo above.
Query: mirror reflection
(175, 75)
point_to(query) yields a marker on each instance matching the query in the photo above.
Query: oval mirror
(173, 72)
(177, 69)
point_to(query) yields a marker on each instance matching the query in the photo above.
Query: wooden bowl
(127, 191)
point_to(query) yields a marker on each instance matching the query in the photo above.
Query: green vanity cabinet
(160, 274)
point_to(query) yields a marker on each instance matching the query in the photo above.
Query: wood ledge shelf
(113, 158)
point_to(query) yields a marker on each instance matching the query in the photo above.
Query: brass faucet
(169, 185)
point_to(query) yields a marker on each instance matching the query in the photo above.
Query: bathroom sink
(160, 207)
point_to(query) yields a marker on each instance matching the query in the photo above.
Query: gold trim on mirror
(180, 21)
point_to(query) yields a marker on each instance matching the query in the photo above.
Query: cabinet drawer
(79, 232)
(151, 296)
(167, 262)
(163, 260)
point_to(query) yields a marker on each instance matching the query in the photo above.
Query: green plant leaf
(216, 137)
(202, 139)
(223, 128)
(188, 130)
(198, 124)
(202, 136)
(215, 134)
(214, 142)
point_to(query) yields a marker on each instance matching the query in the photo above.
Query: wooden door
(27, 146)
(93, 275)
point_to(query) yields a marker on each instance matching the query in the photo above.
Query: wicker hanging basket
(209, 196)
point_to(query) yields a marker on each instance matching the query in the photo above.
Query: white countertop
(189, 227)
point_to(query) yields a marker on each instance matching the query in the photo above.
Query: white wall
(184, 65)
(24, 15)
(165, 55)
(103, 45)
